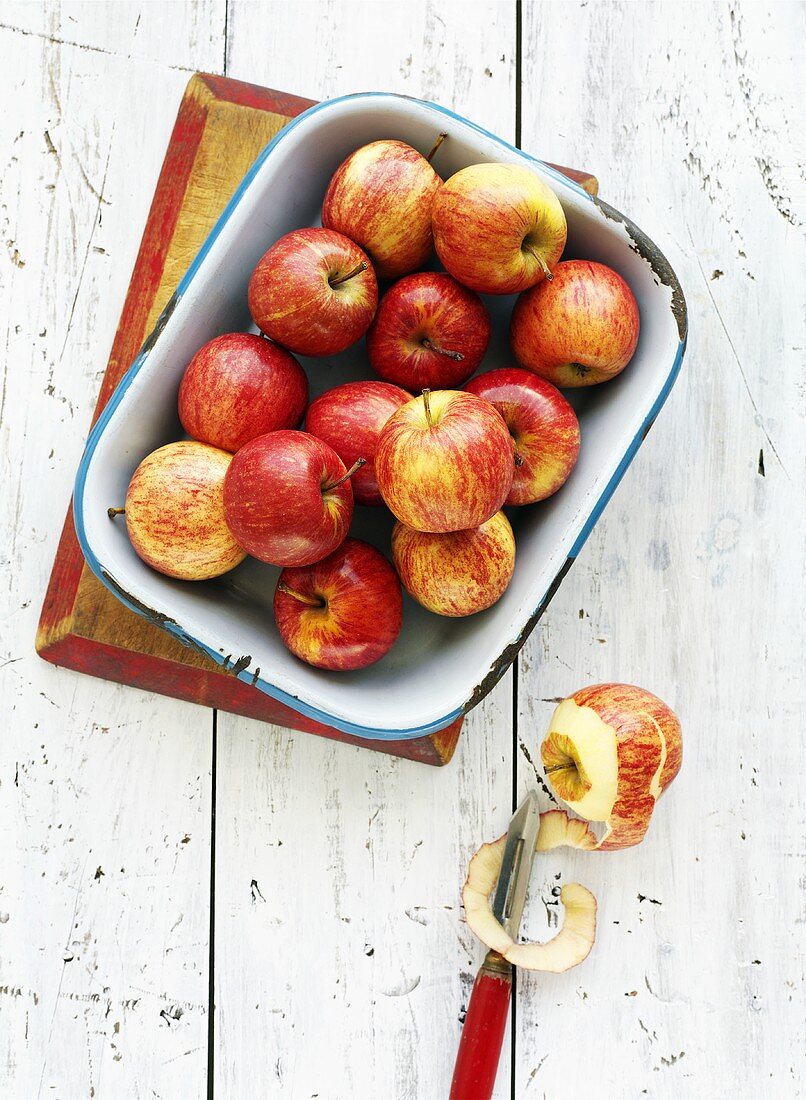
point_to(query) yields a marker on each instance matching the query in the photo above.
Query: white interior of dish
(436, 664)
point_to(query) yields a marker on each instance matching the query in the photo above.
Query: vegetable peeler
(486, 1019)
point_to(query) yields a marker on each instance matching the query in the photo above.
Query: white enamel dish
(439, 667)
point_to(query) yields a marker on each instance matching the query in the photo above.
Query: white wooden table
(155, 862)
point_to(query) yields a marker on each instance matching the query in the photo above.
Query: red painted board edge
(197, 685)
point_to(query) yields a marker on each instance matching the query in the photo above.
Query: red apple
(430, 332)
(350, 418)
(381, 197)
(444, 461)
(314, 292)
(458, 573)
(175, 512)
(239, 386)
(498, 228)
(287, 498)
(579, 329)
(344, 612)
(610, 752)
(543, 426)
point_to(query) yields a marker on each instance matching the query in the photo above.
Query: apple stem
(427, 405)
(544, 266)
(560, 768)
(309, 601)
(456, 355)
(518, 460)
(112, 512)
(350, 274)
(359, 462)
(437, 144)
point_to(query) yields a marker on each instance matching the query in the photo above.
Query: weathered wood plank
(181, 37)
(104, 792)
(342, 957)
(687, 584)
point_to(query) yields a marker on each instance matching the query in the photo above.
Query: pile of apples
(443, 450)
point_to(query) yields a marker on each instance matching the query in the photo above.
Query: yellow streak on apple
(655, 788)
(316, 630)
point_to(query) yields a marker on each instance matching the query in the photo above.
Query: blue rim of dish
(172, 627)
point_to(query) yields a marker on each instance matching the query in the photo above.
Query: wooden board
(221, 126)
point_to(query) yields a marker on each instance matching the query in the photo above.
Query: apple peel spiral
(574, 941)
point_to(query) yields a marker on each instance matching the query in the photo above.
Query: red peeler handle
(483, 1031)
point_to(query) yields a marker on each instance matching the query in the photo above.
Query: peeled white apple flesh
(610, 752)
(573, 942)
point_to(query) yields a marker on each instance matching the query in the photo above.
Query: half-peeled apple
(573, 942)
(611, 750)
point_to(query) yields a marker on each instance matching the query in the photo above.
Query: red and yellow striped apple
(350, 419)
(381, 198)
(175, 512)
(314, 292)
(430, 332)
(239, 386)
(444, 461)
(287, 498)
(498, 228)
(457, 573)
(543, 426)
(611, 750)
(344, 612)
(579, 329)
